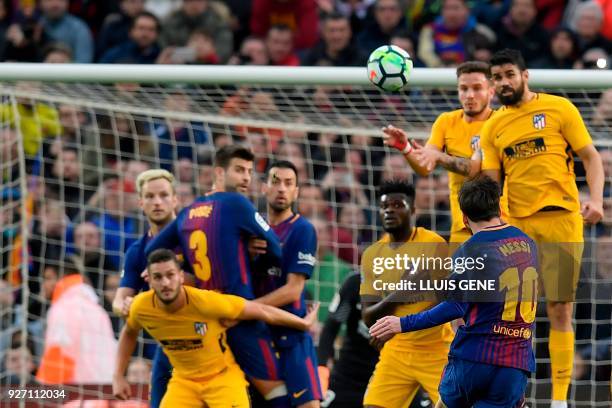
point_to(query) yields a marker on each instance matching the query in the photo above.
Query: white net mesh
(86, 143)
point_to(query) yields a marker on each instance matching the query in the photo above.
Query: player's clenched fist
(592, 212)
(125, 306)
(386, 328)
(121, 388)
(397, 139)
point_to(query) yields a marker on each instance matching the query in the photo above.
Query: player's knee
(560, 314)
(276, 392)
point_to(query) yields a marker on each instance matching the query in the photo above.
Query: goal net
(70, 152)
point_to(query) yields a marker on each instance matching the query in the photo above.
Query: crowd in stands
(549, 33)
(82, 206)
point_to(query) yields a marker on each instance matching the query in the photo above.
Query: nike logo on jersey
(297, 395)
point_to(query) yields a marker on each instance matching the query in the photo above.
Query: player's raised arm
(130, 284)
(127, 344)
(397, 139)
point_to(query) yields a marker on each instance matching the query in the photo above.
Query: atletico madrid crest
(200, 328)
(539, 121)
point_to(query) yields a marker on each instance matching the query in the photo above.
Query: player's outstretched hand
(397, 139)
(427, 157)
(592, 212)
(386, 327)
(121, 388)
(257, 246)
(311, 315)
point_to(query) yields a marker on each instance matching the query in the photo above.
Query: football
(389, 68)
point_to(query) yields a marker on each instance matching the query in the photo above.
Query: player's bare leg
(269, 389)
(440, 404)
(561, 347)
(310, 404)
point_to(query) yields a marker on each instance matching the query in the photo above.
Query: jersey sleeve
(437, 132)
(439, 314)
(300, 253)
(168, 237)
(218, 306)
(132, 318)
(252, 222)
(490, 156)
(367, 275)
(132, 268)
(573, 128)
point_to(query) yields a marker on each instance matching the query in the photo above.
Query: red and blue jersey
(136, 262)
(299, 242)
(213, 233)
(498, 327)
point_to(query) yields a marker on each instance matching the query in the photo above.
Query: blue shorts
(299, 368)
(161, 372)
(466, 384)
(251, 343)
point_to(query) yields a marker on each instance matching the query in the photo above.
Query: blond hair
(154, 174)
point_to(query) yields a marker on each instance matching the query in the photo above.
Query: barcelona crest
(539, 121)
(200, 328)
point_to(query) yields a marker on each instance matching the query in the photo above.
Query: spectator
(8, 321)
(387, 20)
(587, 22)
(311, 203)
(279, 44)
(18, 363)
(24, 38)
(111, 284)
(57, 53)
(240, 15)
(357, 11)
(116, 26)
(142, 46)
(80, 346)
(185, 194)
(602, 117)
(205, 178)
(404, 40)
(394, 168)
(550, 13)
(520, 30)
(490, 12)
(593, 58)
(6, 15)
(36, 120)
(176, 138)
(66, 183)
(252, 52)
(123, 137)
(448, 41)
(563, 51)
(335, 48)
(299, 16)
(119, 226)
(198, 14)
(88, 243)
(63, 27)
(330, 271)
(428, 212)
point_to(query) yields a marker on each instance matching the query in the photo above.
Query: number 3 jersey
(213, 233)
(498, 332)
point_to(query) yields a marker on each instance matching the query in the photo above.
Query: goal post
(75, 136)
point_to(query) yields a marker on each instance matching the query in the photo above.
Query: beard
(514, 98)
(169, 301)
(473, 113)
(278, 208)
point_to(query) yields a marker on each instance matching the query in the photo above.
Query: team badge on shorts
(539, 121)
(200, 328)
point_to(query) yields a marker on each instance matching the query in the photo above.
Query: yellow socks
(561, 348)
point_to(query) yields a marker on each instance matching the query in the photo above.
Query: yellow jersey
(532, 145)
(453, 134)
(192, 337)
(422, 243)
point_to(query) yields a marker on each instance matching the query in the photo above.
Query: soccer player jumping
(491, 356)
(531, 138)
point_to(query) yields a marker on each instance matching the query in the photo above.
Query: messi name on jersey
(525, 149)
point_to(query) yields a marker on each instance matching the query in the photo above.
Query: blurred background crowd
(81, 163)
